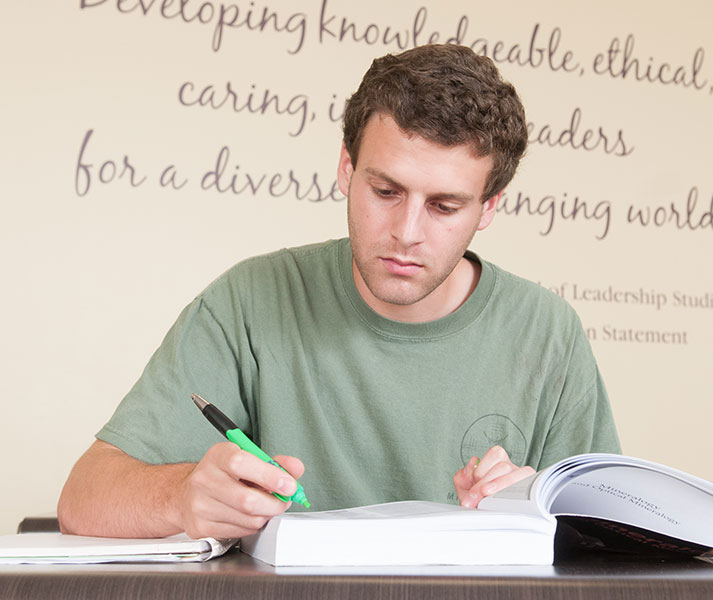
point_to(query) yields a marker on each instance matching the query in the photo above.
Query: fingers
(211, 518)
(243, 466)
(500, 483)
(464, 479)
(291, 464)
(229, 493)
(494, 472)
(495, 458)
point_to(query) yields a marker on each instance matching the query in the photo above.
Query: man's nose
(408, 224)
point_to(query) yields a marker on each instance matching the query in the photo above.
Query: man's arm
(486, 476)
(225, 495)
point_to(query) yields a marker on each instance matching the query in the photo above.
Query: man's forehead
(407, 158)
(416, 133)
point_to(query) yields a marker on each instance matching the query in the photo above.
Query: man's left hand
(484, 477)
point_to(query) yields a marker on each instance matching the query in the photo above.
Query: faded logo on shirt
(493, 430)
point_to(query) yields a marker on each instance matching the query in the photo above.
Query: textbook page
(641, 497)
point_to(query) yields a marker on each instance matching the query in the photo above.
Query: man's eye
(383, 192)
(445, 209)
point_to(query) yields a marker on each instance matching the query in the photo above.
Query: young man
(386, 361)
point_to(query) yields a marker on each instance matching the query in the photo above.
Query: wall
(124, 194)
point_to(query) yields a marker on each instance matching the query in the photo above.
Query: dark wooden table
(238, 576)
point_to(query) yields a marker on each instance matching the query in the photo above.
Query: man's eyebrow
(461, 196)
(381, 175)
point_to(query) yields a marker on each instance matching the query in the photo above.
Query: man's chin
(404, 296)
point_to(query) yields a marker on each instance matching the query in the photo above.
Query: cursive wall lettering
(257, 102)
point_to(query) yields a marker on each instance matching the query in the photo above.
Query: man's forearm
(109, 493)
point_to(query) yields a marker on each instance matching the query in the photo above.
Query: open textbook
(57, 548)
(598, 500)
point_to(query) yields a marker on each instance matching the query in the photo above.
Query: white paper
(57, 548)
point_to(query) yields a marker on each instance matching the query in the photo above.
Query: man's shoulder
(295, 254)
(274, 269)
(510, 288)
(534, 315)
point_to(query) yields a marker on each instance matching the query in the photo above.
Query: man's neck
(444, 300)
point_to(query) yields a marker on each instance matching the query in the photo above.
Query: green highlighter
(230, 430)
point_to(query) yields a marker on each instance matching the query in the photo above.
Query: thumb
(464, 479)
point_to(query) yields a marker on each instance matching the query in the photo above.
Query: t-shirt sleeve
(157, 422)
(583, 421)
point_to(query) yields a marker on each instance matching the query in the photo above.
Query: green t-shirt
(378, 410)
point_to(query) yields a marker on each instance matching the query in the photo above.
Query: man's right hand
(227, 494)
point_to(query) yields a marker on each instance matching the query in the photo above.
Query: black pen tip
(198, 401)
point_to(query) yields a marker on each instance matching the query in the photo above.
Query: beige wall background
(122, 197)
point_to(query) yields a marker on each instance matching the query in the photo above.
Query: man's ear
(344, 171)
(489, 208)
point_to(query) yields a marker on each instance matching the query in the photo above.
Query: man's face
(413, 209)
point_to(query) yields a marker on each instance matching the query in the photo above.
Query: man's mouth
(401, 266)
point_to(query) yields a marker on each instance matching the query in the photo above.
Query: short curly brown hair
(447, 94)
